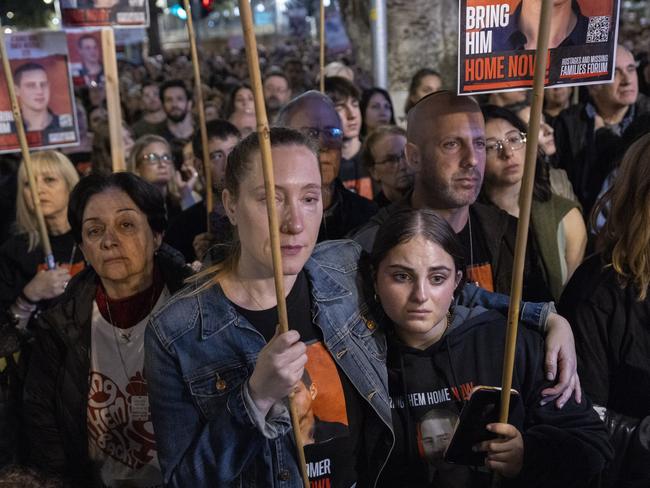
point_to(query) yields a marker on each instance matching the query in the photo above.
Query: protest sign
(118, 13)
(39, 64)
(497, 42)
(86, 60)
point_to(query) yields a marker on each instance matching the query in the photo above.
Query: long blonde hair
(136, 153)
(42, 162)
(625, 237)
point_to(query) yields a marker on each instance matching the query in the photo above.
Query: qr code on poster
(598, 29)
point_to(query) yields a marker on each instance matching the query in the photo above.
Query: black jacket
(566, 447)
(347, 212)
(612, 333)
(56, 388)
(588, 156)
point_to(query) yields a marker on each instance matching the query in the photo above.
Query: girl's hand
(505, 455)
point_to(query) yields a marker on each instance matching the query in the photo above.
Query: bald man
(446, 150)
(314, 113)
(588, 135)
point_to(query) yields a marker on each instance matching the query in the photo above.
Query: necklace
(250, 295)
(126, 336)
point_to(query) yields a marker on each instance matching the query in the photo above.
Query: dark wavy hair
(146, 197)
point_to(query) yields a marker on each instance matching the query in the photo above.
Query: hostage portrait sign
(39, 65)
(497, 42)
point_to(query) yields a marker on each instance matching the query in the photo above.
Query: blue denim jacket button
(221, 383)
(284, 475)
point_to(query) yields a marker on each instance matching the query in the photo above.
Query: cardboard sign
(497, 41)
(86, 58)
(118, 13)
(40, 68)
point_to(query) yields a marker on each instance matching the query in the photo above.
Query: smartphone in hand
(481, 409)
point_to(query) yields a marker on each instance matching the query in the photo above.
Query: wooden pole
(24, 149)
(198, 89)
(322, 46)
(525, 201)
(113, 106)
(269, 185)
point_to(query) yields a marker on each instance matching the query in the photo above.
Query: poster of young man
(86, 61)
(119, 13)
(39, 64)
(497, 42)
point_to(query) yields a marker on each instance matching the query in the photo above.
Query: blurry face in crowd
(625, 88)
(218, 150)
(276, 92)
(155, 164)
(299, 207)
(175, 104)
(315, 117)
(450, 162)
(53, 193)
(89, 50)
(244, 121)
(211, 112)
(127, 141)
(558, 96)
(33, 91)
(390, 169)
(505, 160)
(378, 112)
(415, 284)
(295, 73)
(244, 102)
(428, 84)
(96, 95)
(117, 240)
(350, 114)
(96, 117)
(151, 99)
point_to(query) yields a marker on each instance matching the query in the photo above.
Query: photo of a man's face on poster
(86, 57)
(119, 13)
(39, 65)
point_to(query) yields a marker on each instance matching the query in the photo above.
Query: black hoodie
(567, 447)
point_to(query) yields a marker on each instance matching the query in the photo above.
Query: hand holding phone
(481, 410)
(505, 454)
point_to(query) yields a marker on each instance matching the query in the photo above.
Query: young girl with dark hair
(437, 352)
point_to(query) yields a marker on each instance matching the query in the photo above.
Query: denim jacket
(200, 353)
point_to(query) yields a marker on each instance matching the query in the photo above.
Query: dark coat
(56, 388)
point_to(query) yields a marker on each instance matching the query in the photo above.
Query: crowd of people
(150, 355)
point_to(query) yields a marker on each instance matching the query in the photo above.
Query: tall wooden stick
(24, 149)
(525, 201)
(198, 89)
(322, 46)
(113, 100)
(269, 185)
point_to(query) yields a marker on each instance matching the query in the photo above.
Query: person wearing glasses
(446, 149)
(151, 159)
(314, 114)
(188, 232)
(559, 236)
(383, 155)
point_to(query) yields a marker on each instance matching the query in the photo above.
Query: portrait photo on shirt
(319, 398)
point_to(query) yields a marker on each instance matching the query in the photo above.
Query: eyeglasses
(514, 140)
(328, 136)
(153, 159)
(393, 159)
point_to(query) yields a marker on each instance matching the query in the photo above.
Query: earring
(376, 298)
